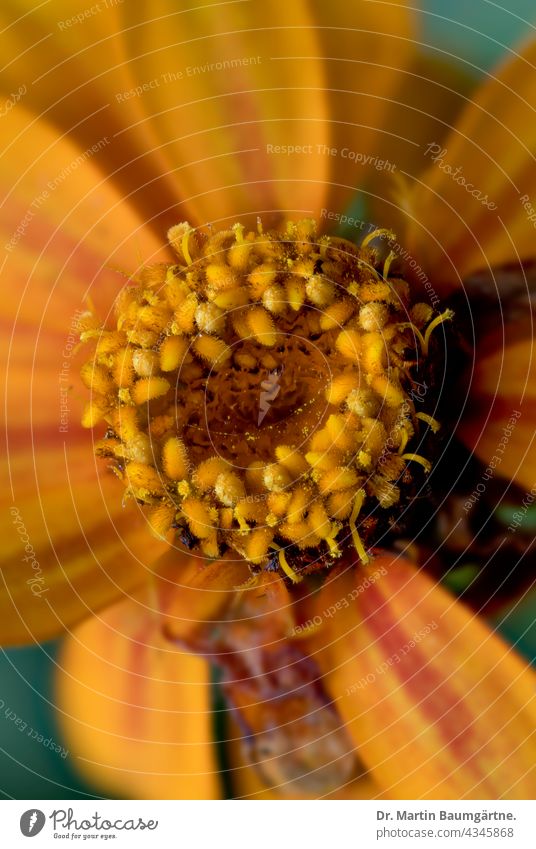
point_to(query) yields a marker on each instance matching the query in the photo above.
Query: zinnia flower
(278, 403)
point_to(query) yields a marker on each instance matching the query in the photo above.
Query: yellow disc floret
(258, 392)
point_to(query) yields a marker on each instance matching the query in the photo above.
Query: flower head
(259, 393)
(305, 412)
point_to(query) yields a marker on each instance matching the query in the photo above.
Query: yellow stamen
(445, 316)
(184, 489)
(341, 387)
(173, 352)
(360, 548)
(403, 441)
(334, 549)
(229, 489)
(295, 290)
(208, 471)
(283, 562)
(416, 458)
(185, 246)
(262, 326)
(336, 479)
(358, 544)
(387, 264)
(238, 230)
(416, 331)
(431, 422)
(358, 503)
(375, 234)
(244, 527)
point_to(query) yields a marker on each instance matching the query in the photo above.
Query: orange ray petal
(69, 66)
(64, 225)
(265, 111)
(194, 592)
(221, 104)
(499, 424)
(432, 92)
(438, 705)
(87, 548)
(464, 226)
(135, 711)
(69, 547)
(366, 48)
(237, 115)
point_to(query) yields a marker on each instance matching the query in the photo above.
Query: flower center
(242, 411)
(259, 394)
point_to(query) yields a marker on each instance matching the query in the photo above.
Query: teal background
(29, 770)
(479, 33)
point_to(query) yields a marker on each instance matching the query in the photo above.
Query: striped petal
(69, 61)
(220, 109)
(470, 207)
(61, 221)
(69, 547)
(135, 711)
(257, 109)
(367, 50)
(438, 706)
(239, 118)
(499, 423)
(432, 92)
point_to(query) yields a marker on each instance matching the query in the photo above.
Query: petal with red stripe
(135, 711)
(438, 705)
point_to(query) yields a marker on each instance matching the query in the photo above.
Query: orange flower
(378, 682)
